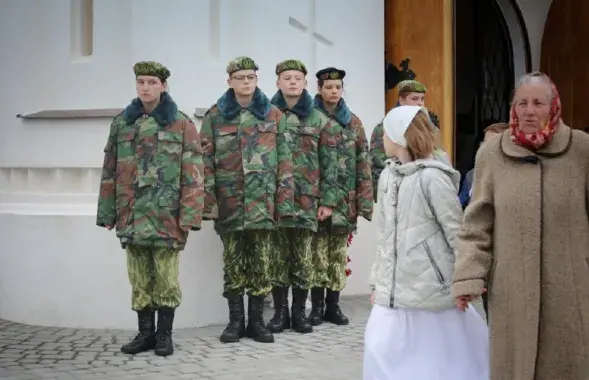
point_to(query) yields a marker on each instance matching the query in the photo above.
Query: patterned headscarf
(538, 139)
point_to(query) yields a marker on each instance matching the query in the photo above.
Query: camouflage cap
(291, 64)
(412, 86)
(330, 73)
(152, 69)
(241, 63)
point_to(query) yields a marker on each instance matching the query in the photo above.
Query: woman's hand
(463, 301)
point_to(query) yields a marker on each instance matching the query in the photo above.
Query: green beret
(152, 69)
(291, 64)
(412, 86)
(330, 73)
(241, 63)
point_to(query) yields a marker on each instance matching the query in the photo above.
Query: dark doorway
(484, 74)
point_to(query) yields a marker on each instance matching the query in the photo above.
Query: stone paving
(331, 352)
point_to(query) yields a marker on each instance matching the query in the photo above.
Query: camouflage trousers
(246, 258)
(291, 262)
(330, 253)
(153, 274)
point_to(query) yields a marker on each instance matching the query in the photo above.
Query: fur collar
(303, 107)
(164, 113)
(342, 113)
(229, 108)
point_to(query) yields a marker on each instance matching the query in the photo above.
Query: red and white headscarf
(542, 137)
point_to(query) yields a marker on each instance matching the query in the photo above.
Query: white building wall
(56, 267)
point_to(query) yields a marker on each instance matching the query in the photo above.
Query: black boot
(300, 323)
(255, 322)
(164, 345)
(281, 319)
(318, 306)
(333, 313)
(145, 340)
(235, 329)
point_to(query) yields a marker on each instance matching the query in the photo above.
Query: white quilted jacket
(415, 250)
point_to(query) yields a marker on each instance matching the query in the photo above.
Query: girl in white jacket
(415, 331)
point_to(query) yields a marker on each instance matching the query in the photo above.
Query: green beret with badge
(241, 63)
(151, 69)
(412, 86)
(330, 73)
(291, 64)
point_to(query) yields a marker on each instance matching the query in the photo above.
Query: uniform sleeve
(107, 212)
(364, 191)
(328, 166)
(474, 246)
(285, 196)
(377, 156)
(192, 179)
(207, 141)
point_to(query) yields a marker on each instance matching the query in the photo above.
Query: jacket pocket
(352, 210)
(227, 148)
(433, 263)
(308, 197)
(123, 207)
(126, 159)
(229, 202)
(309, 140)
(169, 157)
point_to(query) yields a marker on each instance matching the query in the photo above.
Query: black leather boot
(333, 313)
(164, 345)
(318, 306)
(145, 340)
(281, 319)
(300, 323)
(235, 329)
(255, 322)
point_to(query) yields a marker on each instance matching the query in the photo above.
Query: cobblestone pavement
(331, 352)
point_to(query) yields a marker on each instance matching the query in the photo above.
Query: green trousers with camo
(153, 274)
(292, 258)
(330, 253)
(246, 259)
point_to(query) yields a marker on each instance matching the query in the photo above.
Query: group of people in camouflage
(283, 179)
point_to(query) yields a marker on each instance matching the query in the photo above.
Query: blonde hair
(421, 137)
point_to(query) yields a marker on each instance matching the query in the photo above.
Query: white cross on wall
(310, 31)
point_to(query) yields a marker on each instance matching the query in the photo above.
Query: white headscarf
(397, 121)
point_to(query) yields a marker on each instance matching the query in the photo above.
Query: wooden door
(422, 31)
(565, 57)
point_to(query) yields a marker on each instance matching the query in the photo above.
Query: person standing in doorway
(249, 185)
(411, 93)
(466, 189)
(152, 191)
(355, 183)
(312, 141)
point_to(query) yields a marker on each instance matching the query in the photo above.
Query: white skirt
(411, 344)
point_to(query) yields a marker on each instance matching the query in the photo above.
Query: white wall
(56, 267)
(535, 13)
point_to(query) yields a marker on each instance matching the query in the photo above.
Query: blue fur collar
(342, 113)
(164, 113)
(303, 107)
(229, 108)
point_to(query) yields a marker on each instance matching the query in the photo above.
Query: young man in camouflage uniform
(249, 185)
(354, 183)
(411, 93)
(312, 143)
(152, 191)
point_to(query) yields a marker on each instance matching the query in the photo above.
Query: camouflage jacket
(152, 186)
(311, 139)
(377, 152)
(354, 181)
(249, 181)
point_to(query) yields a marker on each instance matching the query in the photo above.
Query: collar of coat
(229, 108)
(165, 112)
(560, 144)
(303, 107)
(342, 113)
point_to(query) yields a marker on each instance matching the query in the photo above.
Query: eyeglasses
(250, 77)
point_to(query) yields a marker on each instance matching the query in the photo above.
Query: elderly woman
(527, 231)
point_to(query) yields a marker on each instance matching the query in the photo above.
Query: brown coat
(527, 229)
